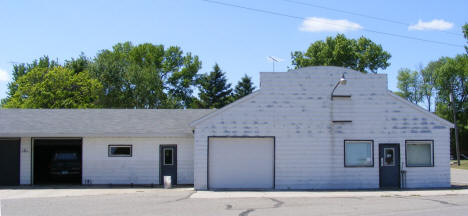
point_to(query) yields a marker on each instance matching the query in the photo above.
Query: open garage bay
(57, 161)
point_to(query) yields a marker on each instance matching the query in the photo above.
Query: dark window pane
(167, 156)
(66, 156)
(121, 150)
(389, 157)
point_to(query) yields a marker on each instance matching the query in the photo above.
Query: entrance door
(9, 162)
(168, 163)
(389, 155)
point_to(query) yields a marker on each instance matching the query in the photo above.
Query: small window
(120, 150)
(359, 153)
(168, 156)
(419, 153)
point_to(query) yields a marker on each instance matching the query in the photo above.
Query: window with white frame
(358, 153)
(419, 153)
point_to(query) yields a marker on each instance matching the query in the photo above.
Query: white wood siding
(141, 168)
(25, 161)
(295, 107)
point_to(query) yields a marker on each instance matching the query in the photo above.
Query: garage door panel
(239, 163)
(9, 161)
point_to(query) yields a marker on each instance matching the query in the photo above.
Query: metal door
(168, 163)
(389, 161)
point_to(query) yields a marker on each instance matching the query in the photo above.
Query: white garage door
(241, 163)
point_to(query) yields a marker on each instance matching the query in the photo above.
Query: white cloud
(435, 24)
(4, 76)
(317, 24)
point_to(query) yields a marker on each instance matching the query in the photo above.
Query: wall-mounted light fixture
(342, 81)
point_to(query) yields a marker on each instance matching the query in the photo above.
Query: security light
(342, 81)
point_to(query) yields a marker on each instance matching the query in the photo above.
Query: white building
(290, 134)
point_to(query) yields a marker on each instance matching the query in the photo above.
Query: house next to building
(304, 129)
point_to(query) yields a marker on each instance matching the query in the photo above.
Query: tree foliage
(146, 76)
(79, 64)
(56, 87)
(465, 33)
(436, 82)
(428, 78)
(452, 76)
(244, 87)
(214, 90)
(361, 54)
(22, 69)
(409, 84)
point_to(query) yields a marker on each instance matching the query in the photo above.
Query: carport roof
(98, 122)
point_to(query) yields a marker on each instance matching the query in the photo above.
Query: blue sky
(239, 40)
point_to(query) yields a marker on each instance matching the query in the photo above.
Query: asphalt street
(179, 202)
(185, 201)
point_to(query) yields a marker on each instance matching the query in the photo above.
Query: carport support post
(457, 146)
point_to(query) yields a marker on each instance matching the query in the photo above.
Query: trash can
(167, 182)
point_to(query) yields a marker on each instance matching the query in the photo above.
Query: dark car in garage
(65, 165)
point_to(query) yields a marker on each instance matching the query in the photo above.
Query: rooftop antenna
(13, 62)
(274, 59)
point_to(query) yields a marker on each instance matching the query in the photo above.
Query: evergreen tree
(244, 87)
(215, 92)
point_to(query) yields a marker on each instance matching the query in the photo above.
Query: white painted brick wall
(141, 168)
(295, 107)
(25, 161)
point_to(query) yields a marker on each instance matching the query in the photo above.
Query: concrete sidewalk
(32, 192)
(459, 176)
(323, 194)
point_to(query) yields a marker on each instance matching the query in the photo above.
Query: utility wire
(358, 14)
(303, 18)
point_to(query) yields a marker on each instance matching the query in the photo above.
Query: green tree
(79, 64)
(146, 76)
(428, 77)
(56, 87)
(361, 54)
(244, 87)
(214, 91)
(22, 69)
(452, 76)
(465, 33)
(409, 85)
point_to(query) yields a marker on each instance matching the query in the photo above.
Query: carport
(57, 160)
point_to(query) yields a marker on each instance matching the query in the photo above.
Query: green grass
(463, 164)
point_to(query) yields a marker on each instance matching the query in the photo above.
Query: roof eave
(193, 124)
(420, 109)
